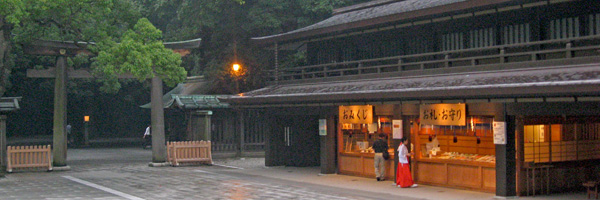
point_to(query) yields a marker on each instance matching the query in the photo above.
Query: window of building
(562, 141)
(482, 38)
(564, 28)
(514, 34)
(453, 41)
(594, 24)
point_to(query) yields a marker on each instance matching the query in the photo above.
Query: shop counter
(362, 164)
(456, 173)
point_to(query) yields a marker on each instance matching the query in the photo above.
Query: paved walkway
(123, 173)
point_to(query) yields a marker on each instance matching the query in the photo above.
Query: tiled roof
(370, 13)
(199, 101)
(9, 104)
(509, 83)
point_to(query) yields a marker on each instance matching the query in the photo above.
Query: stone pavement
(123, 173)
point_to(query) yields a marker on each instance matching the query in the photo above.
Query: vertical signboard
(443, 114)
(499, 132)
(322, 127)
(397, 129)
(356, 114)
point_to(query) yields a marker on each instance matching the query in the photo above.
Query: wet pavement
(123, 173)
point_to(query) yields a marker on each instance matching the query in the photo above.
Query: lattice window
(594, 24)
(514, 34)
(482, 38)
(453, 41)
(564, 28)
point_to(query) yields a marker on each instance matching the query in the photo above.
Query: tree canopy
(140, 53)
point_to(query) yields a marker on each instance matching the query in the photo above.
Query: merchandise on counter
(467, 157)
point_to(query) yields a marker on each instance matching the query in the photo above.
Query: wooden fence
(29, 157)
(189, 152)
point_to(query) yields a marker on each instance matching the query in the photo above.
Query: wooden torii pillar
(61, 74)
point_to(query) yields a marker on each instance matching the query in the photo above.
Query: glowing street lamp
(236, 73)
(236, 67)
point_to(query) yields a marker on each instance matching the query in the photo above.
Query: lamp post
(236, 76)
(86, 120)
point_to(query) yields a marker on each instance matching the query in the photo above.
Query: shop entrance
(300, 140)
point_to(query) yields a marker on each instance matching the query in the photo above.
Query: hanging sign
(356, 114)
(443, 114)
(397, 129)
(322, 127)
(499, 132)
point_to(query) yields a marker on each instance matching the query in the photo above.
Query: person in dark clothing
(379, 146)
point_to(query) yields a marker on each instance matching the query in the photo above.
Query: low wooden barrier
(189, 152)
(28, 157)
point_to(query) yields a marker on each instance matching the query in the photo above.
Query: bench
(189, 152)
(28, 157)
(592, 188)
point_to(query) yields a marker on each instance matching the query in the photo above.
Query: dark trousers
(147, 141)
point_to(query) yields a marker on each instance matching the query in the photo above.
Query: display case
(355, 152)
(457, 156)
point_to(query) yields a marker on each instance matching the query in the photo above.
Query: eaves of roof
(563, 81)
(378, 15)
(8, 104)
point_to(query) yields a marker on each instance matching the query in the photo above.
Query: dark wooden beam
(72, 73)
(56, 48)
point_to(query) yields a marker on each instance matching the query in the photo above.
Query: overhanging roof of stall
(189, 95)
(376, 13)
(8, 104)
(199, 101)
(565, 82)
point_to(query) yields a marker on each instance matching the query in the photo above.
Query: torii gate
(61, 74)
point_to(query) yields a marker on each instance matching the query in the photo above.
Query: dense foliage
(225, 27)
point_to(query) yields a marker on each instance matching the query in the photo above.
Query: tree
(226, 26)
(23, 21)
(142, 54)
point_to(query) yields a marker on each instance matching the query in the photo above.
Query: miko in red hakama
(403, 177)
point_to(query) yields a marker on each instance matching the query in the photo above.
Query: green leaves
(141, 54)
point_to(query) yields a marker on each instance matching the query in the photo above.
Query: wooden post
(242, 135)
(506, 163)
(59, 152)
(159, 151)
(2, 143)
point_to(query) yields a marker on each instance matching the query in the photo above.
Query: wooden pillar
(520, 134)
(159, 150)
(328, 150)
(241, 131)
(3, 161)
(59, 147)
(276, 64)
(272, 140)
(506, 165)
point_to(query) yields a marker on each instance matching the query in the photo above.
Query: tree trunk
(5, 47)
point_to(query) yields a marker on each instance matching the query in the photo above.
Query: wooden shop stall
(358, 128)
(453, 149)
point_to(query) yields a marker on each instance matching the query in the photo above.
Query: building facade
(496, 95)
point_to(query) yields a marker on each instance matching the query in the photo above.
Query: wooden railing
(189, 152)
(499, 54)
(29, 157)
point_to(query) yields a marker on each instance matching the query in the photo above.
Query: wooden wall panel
(461, 175)
(489, 178)
(431, 173)
(351, 164)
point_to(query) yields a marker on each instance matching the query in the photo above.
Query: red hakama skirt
(403, 177)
